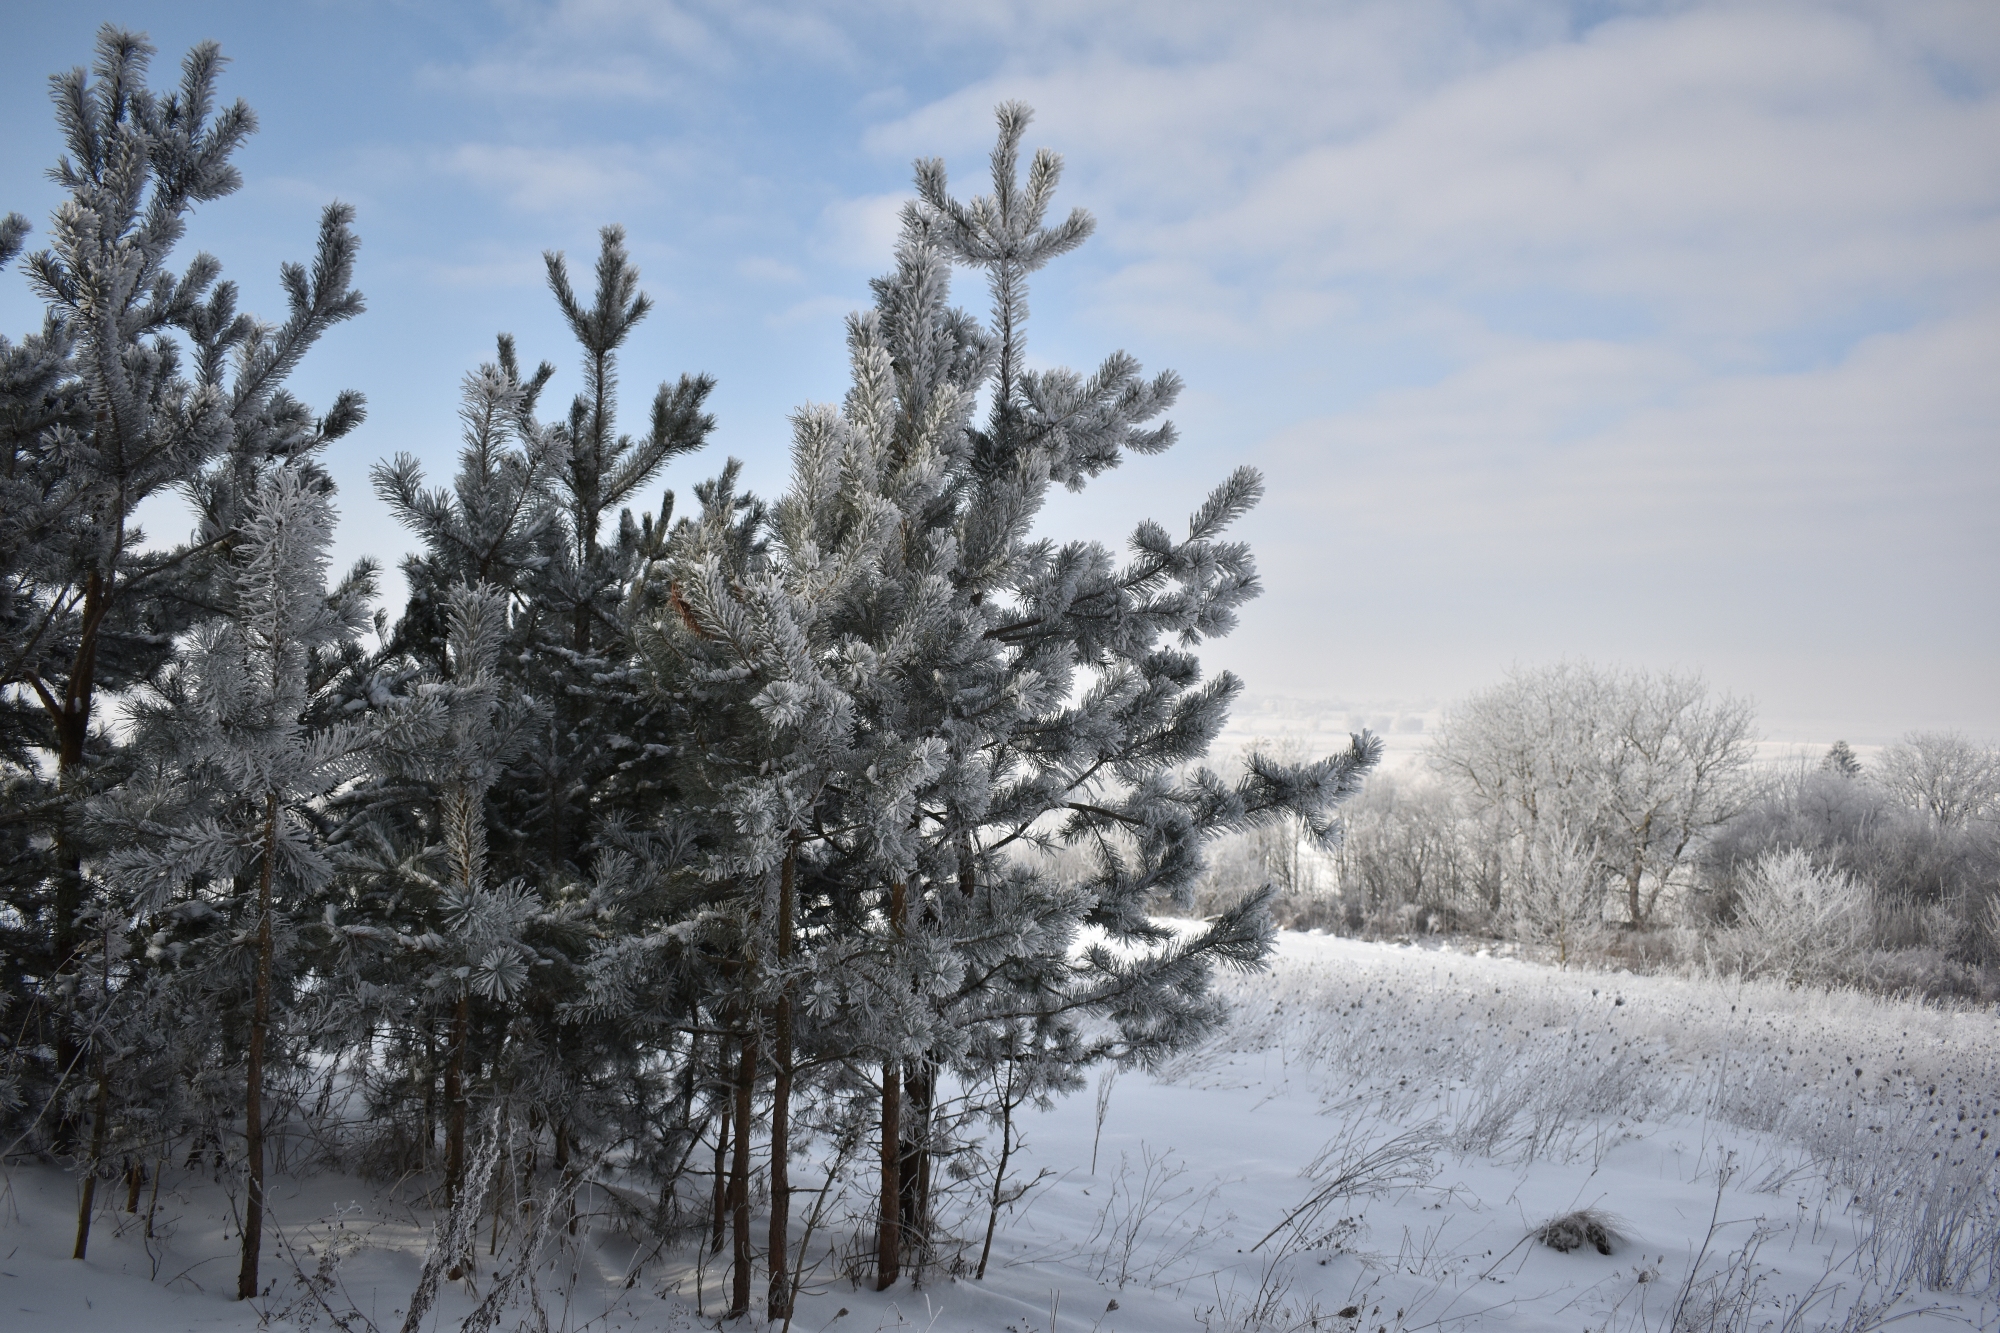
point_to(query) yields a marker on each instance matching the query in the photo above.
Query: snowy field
(1373, 1144)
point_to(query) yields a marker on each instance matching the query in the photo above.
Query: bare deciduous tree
(1944, 774)
(1641, 766)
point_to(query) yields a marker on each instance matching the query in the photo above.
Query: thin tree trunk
(721, 1171)
(454, 1101)
(778, 1303)
(153, 1204)
(71, 723)
(913, 1172)
(103, 1116)
(531, 1148)
(564, 1171)
(739, 1180)
(430, 1091)
(1000, 1171)
(253, 1095)
(508, 1175)
(889, 1241)
(72, 728)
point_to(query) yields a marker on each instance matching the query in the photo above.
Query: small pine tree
(448, 742)
(577, 639)
(1840, 758)
(107, 408)
(583, 819)
(247, 758)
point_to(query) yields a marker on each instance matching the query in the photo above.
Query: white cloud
(567, 179)
(1658, 328)
(763, 268)
(642, 50)
(1735, 168)
(861, 232)
(1822, 538)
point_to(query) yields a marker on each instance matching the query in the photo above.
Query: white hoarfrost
(1378, 1141)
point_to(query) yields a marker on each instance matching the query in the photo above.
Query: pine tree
(453, 737)
(248, 762)
(1022, 618)
(656, 830)
(917, 650)
(495, 526)
(581, 817)
(105, 409)
(577, 637)
(1840, 759)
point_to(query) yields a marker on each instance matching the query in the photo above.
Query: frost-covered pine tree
(143, 381)
(245, 761)
(497, 523)
(584, 818)
(994, 691)
(454, 937)
(580, 651)
(1840, 758)
(1061, 714)
(708, 618)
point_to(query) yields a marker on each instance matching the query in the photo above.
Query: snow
(1763, 1155)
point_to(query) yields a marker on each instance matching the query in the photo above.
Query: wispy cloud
(546, 179)
(861, 233)
(1658, 328)
(1682, 292)
(640, 51)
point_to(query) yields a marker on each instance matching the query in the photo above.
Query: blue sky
(1663, 334)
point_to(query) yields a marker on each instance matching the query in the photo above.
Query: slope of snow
(1379, 1131)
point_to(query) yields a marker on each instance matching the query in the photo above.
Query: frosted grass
(1892, 1101)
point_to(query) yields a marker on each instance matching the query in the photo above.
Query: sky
(1656, 334)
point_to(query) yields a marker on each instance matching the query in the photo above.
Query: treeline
(639, 843)
(1620, 814)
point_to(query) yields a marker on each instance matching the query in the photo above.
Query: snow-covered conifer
(572, 818)
(496, 524)
(248, 763)
(456, 938)
(106, 408)
(992, 690)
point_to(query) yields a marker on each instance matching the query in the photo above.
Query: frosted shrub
(1559, 896)
(1797, 917)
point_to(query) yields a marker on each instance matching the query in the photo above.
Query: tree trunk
(103, 1117)
(71, 723)
(889, 1241)
(504, 1177)
(564, 1173)
(253, 1094)
(739, 1180)
(913, 1171)
(721, 1170)
(153, 1204)
(1000, 1171)
(454, 1101)
(531, 1149)
(778, 1302)
(72, 728)
(430, 1092)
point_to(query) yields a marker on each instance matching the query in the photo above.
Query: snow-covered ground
(1371, 1145)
